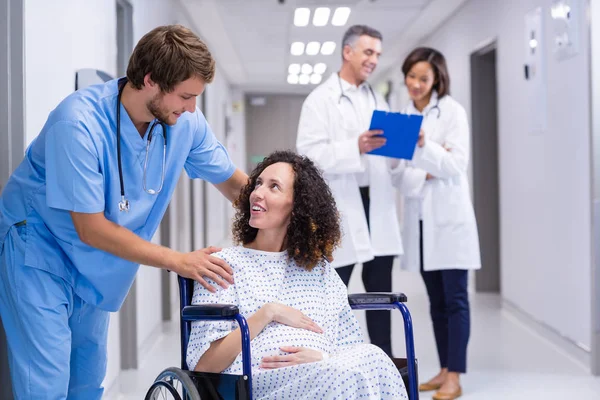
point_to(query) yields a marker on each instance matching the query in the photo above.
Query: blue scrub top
(72, 166)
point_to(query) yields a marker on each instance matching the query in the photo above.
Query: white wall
(236, 142)
(218, 99)
(61, 37)
(544, 178)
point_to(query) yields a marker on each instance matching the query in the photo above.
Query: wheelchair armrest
(376, 298)
(209, 310)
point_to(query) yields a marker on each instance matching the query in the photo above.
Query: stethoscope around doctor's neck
(124, 203)
(345, 96)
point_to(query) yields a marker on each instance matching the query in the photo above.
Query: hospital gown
(354, 369)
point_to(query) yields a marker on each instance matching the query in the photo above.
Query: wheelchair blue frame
(362, 301)
(408, 337)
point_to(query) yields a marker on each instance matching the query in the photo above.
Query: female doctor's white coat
(450, 238)
(328, 134)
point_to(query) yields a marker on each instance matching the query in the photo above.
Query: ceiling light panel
(294, 69)
(340, 16)
(292, 79)
(312, 48)
(297, 48)
(307, 69)
(301, 16)
(320, 68)
(328, 48)
(321, 16)
(304, 79)
(315, 79)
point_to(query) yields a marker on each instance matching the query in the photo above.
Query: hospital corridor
(222, 199)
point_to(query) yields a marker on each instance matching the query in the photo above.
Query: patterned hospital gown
(354, 370)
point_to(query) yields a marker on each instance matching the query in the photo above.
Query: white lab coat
(328, 134)
(450, 238)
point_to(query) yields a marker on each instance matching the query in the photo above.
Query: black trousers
(449, 309)
(377, 277)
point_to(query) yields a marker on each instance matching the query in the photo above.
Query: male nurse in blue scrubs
(69, 245)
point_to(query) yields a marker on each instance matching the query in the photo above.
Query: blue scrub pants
(56, 341)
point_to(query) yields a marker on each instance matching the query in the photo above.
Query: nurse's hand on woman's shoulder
(199, 265)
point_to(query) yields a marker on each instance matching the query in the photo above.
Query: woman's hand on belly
(290, 316)
(298, 355)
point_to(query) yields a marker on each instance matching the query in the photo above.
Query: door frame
(593, 31)
(12, 123)
(12, 87)
(486, 280)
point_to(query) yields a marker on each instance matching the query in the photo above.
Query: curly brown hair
(314, 229)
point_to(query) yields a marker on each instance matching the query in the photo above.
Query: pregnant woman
(306, 342)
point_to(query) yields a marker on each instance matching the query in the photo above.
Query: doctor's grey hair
(356, 31)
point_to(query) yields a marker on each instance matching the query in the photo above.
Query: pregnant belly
(275, 335)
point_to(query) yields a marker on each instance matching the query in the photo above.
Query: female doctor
(440, 231)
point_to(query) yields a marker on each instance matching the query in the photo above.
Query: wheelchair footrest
(214, 386)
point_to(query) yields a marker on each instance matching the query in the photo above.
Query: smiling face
(168, 107)
(419, 81)
(363, 56)
(272, 199)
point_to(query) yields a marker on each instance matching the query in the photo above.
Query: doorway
(593, 27)
(486, 193)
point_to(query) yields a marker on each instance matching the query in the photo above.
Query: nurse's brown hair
(314, 229)
(438, 64)
(171, 54)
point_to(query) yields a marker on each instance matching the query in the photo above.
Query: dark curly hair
(314, 229)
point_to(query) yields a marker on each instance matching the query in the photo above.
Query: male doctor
(334, 132)
(77, 214)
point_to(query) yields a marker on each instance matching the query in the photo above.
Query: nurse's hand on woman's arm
(98, 232)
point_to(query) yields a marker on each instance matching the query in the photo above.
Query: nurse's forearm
(98, 232)
(232, 187)
(223, 352)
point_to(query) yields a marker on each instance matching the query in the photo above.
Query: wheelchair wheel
(173, 383)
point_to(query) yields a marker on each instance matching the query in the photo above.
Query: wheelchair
(182, 384)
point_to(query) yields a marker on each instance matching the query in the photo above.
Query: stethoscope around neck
(124, 203)
(344, 95)
(436, 107)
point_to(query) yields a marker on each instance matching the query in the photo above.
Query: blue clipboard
(401, 132)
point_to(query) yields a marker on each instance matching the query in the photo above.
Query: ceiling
(251, 39)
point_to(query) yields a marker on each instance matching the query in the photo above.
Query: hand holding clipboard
(370, 140)
(400, 131)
